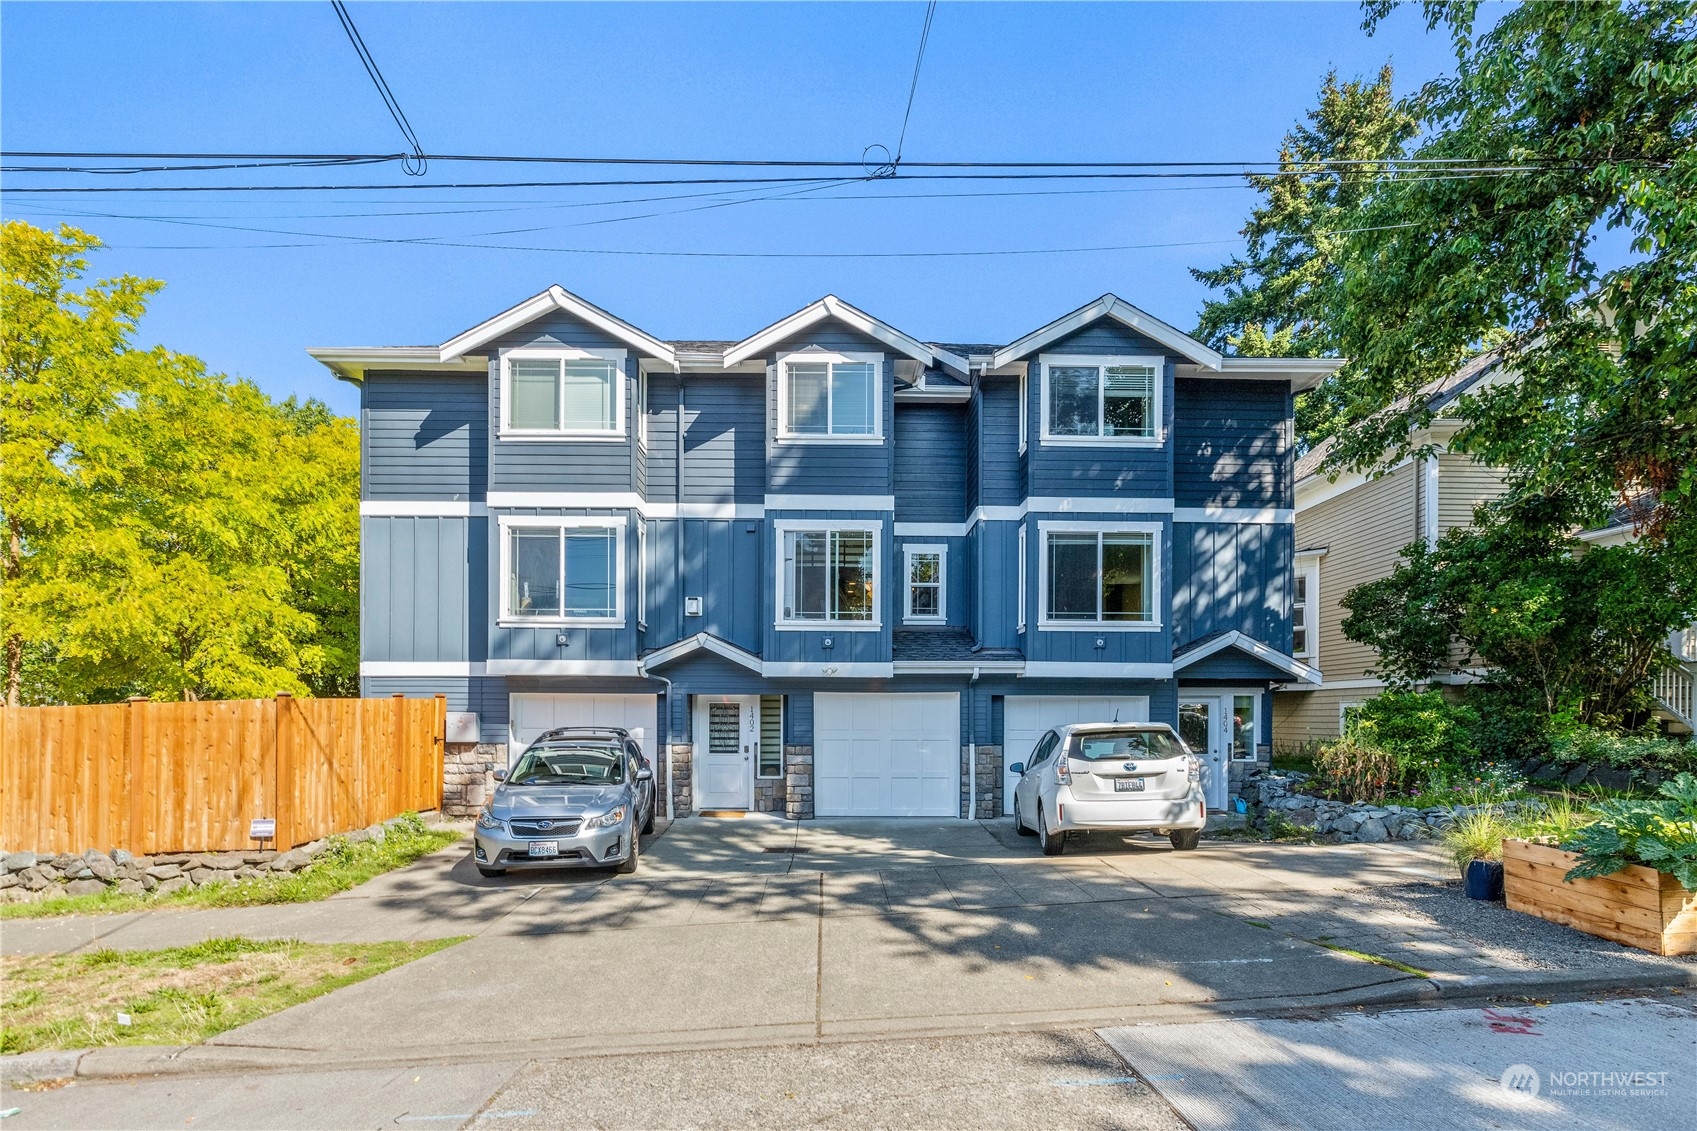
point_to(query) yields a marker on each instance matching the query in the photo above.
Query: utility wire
(890, 168)
(414, 163)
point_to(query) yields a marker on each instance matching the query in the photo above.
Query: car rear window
(1103, 747)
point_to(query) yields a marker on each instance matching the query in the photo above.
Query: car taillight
(1195, 768)
(1063, 771)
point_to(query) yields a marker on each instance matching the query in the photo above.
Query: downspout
(971, 750)
(643, 668)
(677, 599)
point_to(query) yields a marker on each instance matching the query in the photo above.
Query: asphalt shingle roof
(943, 644)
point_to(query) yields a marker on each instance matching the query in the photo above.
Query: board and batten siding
(1231, 443)
(803, 468)
(424, 436)
(422, 581)
(930, 480)
(1232, 575)
(723, 562)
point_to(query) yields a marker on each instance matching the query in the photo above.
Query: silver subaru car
(578, 797)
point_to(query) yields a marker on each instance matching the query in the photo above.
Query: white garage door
(886, 755)
(532, 714)
(1026, 717)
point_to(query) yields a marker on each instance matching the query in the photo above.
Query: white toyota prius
(1127, 777)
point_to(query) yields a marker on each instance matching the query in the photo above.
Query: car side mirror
(1018, 768)
(500, 775)
(645, 774)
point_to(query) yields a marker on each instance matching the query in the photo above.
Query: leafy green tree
(1280, 295)
(1578, 123)
(171, 532)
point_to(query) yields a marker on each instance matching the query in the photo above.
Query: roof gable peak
(558, 298)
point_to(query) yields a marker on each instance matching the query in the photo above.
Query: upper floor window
(564, 571)
(925, 584)
(551, 393)
(1095, 577)
(828, 576)
(1095, 399)
(828, 396)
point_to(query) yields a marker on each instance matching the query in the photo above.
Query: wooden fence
(188, 777)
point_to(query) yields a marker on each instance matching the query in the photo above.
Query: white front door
(727, 734)
(1204, 722)
(1026, 717)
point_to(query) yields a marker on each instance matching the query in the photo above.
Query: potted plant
(1475, 844)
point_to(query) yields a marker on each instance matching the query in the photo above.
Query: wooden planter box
(1637, 906)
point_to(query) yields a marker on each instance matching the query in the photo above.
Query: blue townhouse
(830, 569)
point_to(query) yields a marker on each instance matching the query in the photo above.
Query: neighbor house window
(563, 394)
(925, 583)
(1019, 600)
(828, 576)
(1243, 727)
(1098, 578)
(826, 396)
(1089, 399)
(562, 572)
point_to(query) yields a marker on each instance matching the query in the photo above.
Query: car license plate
(544, 848)
(1127, 785)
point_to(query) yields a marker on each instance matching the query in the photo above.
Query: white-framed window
(927, 570)
(831, 397)
(1102, 400)
(828, 575)
(1345, 710)
(1024, 408)
(1020, 597)
(562, 570)
(1245, 726)
(1305, 611)
(1097, 577)
(642, 573)
(561, 392)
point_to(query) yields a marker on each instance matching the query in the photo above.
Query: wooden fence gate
(189, 777)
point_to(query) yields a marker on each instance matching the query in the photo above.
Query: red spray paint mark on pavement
(1511, 1023)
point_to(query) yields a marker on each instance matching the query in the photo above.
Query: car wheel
(1052, 843)
(1185, 839)
(490, 873)
(1019, 821)
(648, 822)
(629, 864)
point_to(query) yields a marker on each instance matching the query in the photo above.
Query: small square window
(925, 583)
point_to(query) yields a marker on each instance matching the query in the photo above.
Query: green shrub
(1416, 726)
(1477, 836)
(1351, 770)
(1625, 751)
(1513, 724)
(1661, 834)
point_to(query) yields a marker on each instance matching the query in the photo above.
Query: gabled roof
(833, 307)
(1205, 646)
(700, 642)
(1111, 306)
(557, 297)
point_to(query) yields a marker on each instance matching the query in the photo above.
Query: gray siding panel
(424, 436)
(1232, 576)
(829, 469)
(1001, 480)
(724, 439)
(930, 482)
(419, 588)
(1232, 444)
(562, 465)
(662, 476)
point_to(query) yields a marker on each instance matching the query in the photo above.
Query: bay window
(824, 396)
(827, 576)
(562, 572)
(1092, 399)
(1095, 577)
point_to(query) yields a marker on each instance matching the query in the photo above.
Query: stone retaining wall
(468, 776)
(1341, 822)
(989, 800)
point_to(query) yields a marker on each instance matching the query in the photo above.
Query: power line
(414, 163)
(895, 162)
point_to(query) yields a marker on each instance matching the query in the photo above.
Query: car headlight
(605, 820)
(486, 820)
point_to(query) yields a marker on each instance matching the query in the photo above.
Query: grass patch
(178, 996)
(341, 866)
(1277, 829)
(1375, 959)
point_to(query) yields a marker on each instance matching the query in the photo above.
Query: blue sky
(1106, 82)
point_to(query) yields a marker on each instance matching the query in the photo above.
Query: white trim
(833, 307)
(1320, 490)
(1085, 504)
(930, 529)
(934, 395)
(1059, 669)
(1308, 568)
(957, 667)
(421, 508)
(1223, 697)
(1429, 500)
(1246, 643)
(703, 510)
(1244, 515)
(508, 522)
(508, 434)
(419, 669)
(642, 574)
(830, 359)
(1102, 363)
(351, 363)
(556, 298)
(700, 642)
(1152, 529)
(1609, 536)
(1352, 684)
(909, 549)
(1020, 573)
(809, 668)
(782, 528)
(1110, 306)
(1024, 407)
(629, 668)
(603, 500)
(831, 503)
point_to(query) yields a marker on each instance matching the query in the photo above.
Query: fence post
(134, 745)
(438, 754)
(399, 757)
(283, 765)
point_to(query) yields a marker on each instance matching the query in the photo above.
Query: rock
(84, 887)
(209, 876)
(1345, 822)
(198, 860)
(147, 882)
(175, 883)
(165, 871)
(198, 876)
(1577, 775)
(1371, 831)
(258, 857)
(130, 887)
(228, 861)
(9, 880)
(18, 861)
(121, 857)
(1613, 779)
(1549, 771)
(102, 867)
(358, 836)
(134, 870)
(172, 858)
(247, 872)
(291, 860)
(313, 848)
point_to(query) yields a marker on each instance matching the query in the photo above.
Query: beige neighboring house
(1350, 530)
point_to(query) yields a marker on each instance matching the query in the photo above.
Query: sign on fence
(188, 777)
